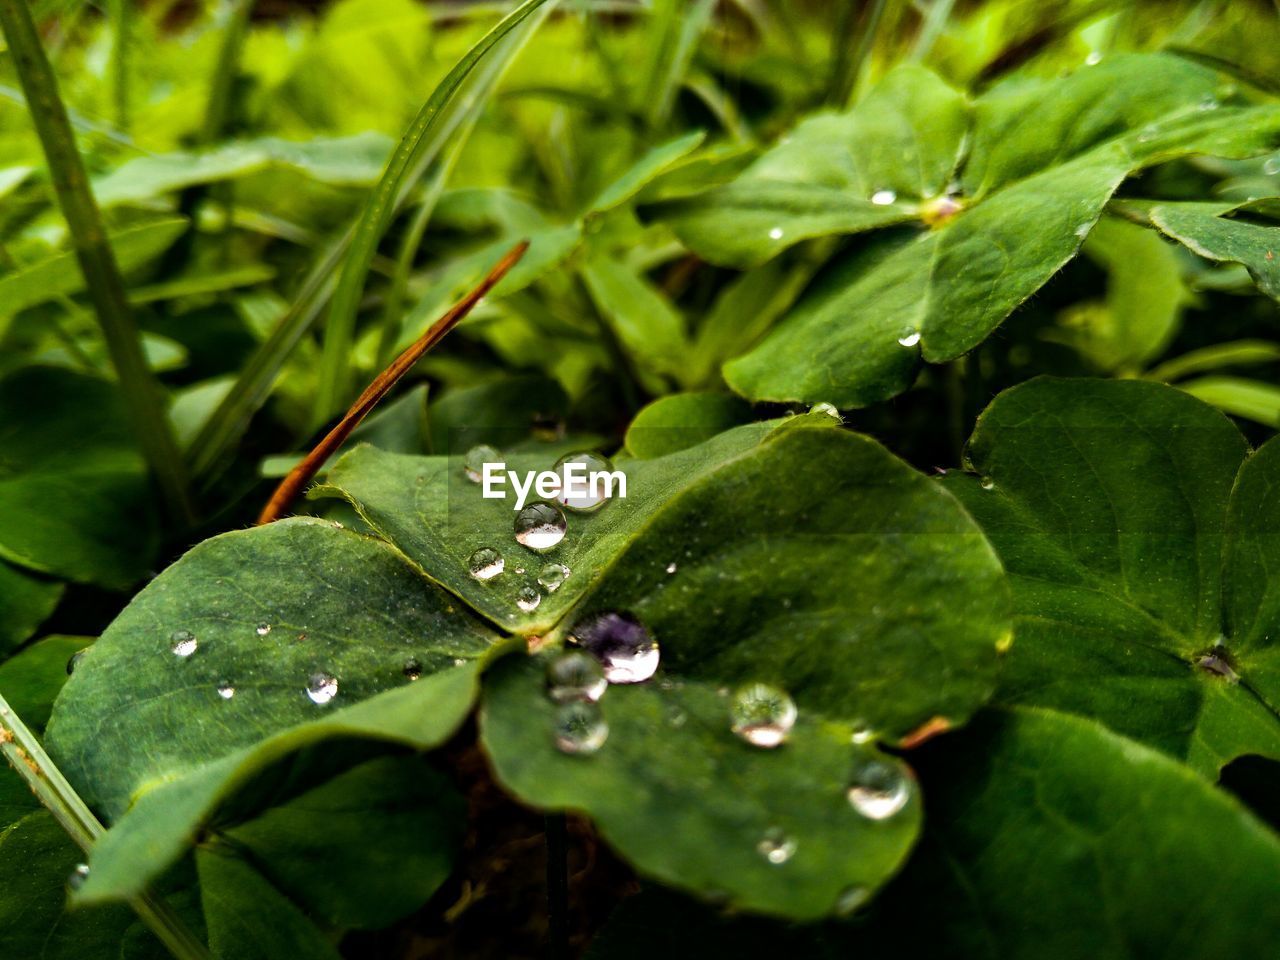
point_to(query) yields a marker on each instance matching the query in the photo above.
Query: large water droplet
(580, 727)
(622, 645)
(183, 643)
(879, 790)
(486, 563)
(585, 496)
(528, 598)
(226, 690)
(540, 526)
(826, 408)
(882, 198)
(262, 629)
(552, 576)
(987, 483)
(1093, 59)
(775, 233)
(1271, 167)
(322, 687)
(671, 567)
(473, 463)
(762, 715)
(909, 338)
(74, 660)
(79, 876)
(575, 675)
(412, 669)
(775, 846)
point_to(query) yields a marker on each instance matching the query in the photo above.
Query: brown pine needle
(302, 474)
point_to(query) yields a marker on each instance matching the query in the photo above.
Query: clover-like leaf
(1018, 211)
(1210, 230)
(1115, 506)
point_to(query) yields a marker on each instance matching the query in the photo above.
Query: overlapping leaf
(1137, 534)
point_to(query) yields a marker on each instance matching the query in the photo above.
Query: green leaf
(31, 679)
(905, 139)
(345, 161)
(643, 320)
(261, 612)
(1205, 229)
(60, 275)
(26, 600)
(1252, 399)
(647, 168)
(74, 498)
(1027, 204)
(1111, 505)
(1235, 353)
(1038, 819)
(646, 789)
(682, 420)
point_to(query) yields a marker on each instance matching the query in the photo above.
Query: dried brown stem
(302, 474)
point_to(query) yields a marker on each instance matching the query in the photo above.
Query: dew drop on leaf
(776, 847)
(552, 576)
(671, 568)
(412, 669)
(540, 526)
(595, 495)
(262, 629)
(74, 660)
(622, 645)
(826, 408)
(322, 688)
(762, 715)
(575, 675)
(486, 563)
(476, 458)
(528, 598)
(226, 690)
(1271, 167)
(580, 727)
(987, 483)
(882, 198)
(183, 643)
(879, 790)
(775, 233)
(79, 876)
(909, 338)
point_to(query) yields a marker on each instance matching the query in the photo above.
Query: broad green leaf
(1038, 820)
(1252, 399)
(1108, 503)
(248, 634)
(649, 166)
(347, 161)
(26, 600)
(164, 822)
(1206, 229)
(74, 497)
(682, 420)
(647, 791)
(902, 143)
(501, 414)
(643, 320)
(60, 274)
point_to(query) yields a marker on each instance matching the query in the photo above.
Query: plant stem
(27, 757)
(557, 887)
(141, 393)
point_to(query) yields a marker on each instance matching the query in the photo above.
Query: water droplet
(486, 563)
(540, 526)
(1093, 59)
(851, 899)
(1210, 102)
(1271, 167)
(476, 458)
(528, 598)
(79, 876)
(74, 660)
(862, 734)
(987, 483)
(827, 408)
(412, 669)
(775, 846)
(552, 576)
(183, 643)
(262, 629)
(1082, 231)
(580, 728)
(586, 497)
(1148, 133)
(909, 338)
(622, 645)
(882, 198)
(775, 233)
(322, 687)
(762, 715)
(226, 690)
(671, 567)
(1219, 666)
(879, 790)
(575, 675)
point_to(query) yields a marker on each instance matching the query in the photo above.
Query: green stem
(27, 757)
(222, 87)
(141, 393)
(119, 11)
(848, 55)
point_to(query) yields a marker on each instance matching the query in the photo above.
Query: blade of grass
(301, 475)
(849, 54)
(934, 23)
(405, 163)
(235, 27)
(141, 393)
(673, 37)
(26, 755)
